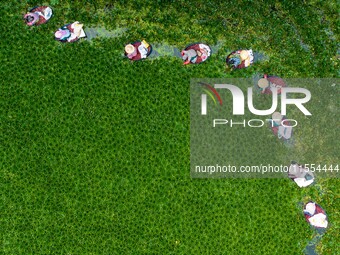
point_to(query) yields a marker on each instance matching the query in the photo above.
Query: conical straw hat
(244, 54)
(277, 117)
(263, 83)
(129, 48)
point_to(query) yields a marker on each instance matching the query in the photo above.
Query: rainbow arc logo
(212, 92)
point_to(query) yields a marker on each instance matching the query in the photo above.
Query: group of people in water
(68, 33)
(314, 214)
(282, 128)
(195, 54)
(301, 175)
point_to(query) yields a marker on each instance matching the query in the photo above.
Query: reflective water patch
(163, 50)
(311, 246)
(94, 32)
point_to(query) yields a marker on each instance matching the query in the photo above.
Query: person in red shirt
(195, 53)
(240, 59)
(38, 15)
(70, 32)
(315, 215)
(268, 82)
(138, 50)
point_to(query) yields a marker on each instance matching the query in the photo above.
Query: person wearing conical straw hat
(240, 59)
(300, 175)
(263, 84)
(78, 29)
(277, 118)
(130, 50)
(189, 56)
(70, 33)
(38, 15)
(280, 126)
(195, 53)
(138, 50)
(244, 55)
(315, 215)
(269, 82)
